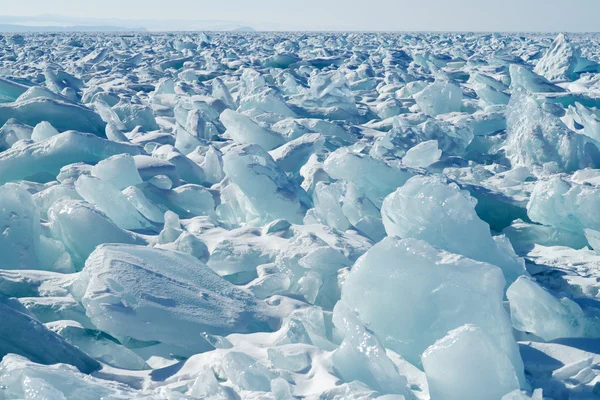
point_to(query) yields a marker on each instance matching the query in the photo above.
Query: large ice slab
(24, 335)
(62, 115)
(467, 364)
(169, 297)
(535, 310)
(43, 160)
(429, 209)
(432, 292)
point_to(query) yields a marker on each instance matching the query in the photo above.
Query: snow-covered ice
(300, 215)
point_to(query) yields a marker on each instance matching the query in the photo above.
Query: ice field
(300, 216)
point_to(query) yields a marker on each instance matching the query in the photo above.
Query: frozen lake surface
(300, 215)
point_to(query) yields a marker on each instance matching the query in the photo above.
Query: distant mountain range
(57, 23)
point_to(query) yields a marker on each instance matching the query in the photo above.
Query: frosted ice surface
(563, 61)
(169, 297)
(21, 230)
(537, 137)
(43, 130)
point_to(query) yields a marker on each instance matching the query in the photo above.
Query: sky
(356, 15)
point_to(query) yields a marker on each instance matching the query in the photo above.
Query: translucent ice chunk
(111, 201)
(186, 168)
(243, 130)
(62, 115)
(213, 165)
(70, 222)
(148, 209)
(119, 171)
(192, 199)
(246, 373)
(565, 205)
(439, 98)
(23, 378)
(432, 292)
(429, 209)
(13, 131)
(43, 160)
(272, 194)
(220, 91)
(381, 179)
(534, 310)
(362, 357)
(422, 155)
(26, 336)
(46, 198)
(98, 345)
(293, 155)
(467, 364)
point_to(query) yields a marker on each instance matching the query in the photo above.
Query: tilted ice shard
(422, 155)
(429, 209)
(563, 61)
(467, 364)
(119, 170)
(150, 294)
(432, 292)
(111, 201)
(243, 130)
(440, 97)
(536, 137)
(524, 79)
(70, 222)
(43, 160)
(272, 194)
(534, 310)
(565, 205)
(62, 115)
(98, 344)
(294, 154)
(381, 180)
(362, 357)
(24, 335)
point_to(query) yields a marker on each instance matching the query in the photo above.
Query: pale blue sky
(403, 15)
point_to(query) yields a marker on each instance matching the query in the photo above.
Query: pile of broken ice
(276, 216)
